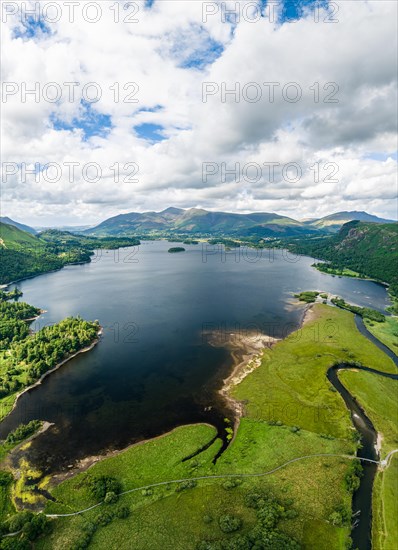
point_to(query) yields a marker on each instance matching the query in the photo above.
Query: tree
(229, 523)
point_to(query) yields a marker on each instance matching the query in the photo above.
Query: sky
(280, 106)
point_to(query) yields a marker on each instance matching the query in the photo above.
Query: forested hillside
(368, 248)
(25, 255)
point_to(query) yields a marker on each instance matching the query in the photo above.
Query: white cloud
(356, 55)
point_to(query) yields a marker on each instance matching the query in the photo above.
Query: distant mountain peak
(172, 210)
(23, 227)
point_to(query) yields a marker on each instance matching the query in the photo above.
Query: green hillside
(23, 227)
(13, 238)
(368, 248)
(25, 255)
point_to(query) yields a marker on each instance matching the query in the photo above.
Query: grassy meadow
(386, 332)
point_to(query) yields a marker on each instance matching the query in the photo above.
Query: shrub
(111, 497)
(101, 485)
(104, 518)
(82, 543)
(38, 525)
(189, 484)
(14, 544)
(352, 477)
(17, 521)
(336, 519)
(229, 523)
(89, 528)
(122, 512)
(5, 478)
(230, 484)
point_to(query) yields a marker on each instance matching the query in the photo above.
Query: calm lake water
(154, 369)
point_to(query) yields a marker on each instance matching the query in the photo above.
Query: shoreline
(358, 277)
(57, 366)
(246, 359)
(246, 352)
(87, 462)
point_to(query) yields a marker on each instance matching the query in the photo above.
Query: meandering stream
(362, 498)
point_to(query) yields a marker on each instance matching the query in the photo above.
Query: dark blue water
(154, 369)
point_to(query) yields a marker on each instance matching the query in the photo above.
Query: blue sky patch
(154, 109)
(149, 132)
(294, 9)
(203, 56)
(90, 122)
(381, 156)
(31, 27)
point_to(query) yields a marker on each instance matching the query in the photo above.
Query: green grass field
(6, 506)
(385, 508)
(386, 332)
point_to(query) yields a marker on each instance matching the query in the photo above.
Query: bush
(82, 543)
(189, 484)
(101, 485)
(122, 512)
(17, 521)
(5, 478)
(38, 525)
(111, 497)
(256, 500)
(230, 484)
(352, 477)
(336, 519)
(104, 519)
(89, 528)
(229, 523)
(14, 544)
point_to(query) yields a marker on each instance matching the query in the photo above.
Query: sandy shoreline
(247, 351)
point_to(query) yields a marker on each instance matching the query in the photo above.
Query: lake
(154, 368)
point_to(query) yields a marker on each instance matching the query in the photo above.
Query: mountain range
(195, 221)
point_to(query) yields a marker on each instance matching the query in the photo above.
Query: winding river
(362, 498)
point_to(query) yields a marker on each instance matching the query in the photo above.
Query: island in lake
(176, 249)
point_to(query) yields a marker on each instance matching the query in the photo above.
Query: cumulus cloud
(313, 99)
